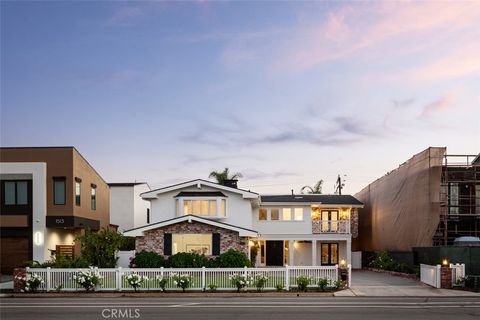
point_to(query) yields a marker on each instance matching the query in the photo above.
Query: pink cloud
(390, 28)
(437, 106)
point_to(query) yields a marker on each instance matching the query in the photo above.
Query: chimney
(232, 183)
(292, 193)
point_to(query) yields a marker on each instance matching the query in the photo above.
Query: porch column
(349, 251)
(314, 252)
(291, 246)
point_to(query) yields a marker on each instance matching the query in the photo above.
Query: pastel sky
(285, 92)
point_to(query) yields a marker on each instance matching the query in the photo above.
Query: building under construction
(430, 200)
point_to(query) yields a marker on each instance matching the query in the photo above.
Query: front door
(329, 254)
(274, 253)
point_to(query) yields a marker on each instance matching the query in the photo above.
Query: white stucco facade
(127, 208)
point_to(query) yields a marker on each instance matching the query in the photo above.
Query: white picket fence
(431, 275)
(114, 278)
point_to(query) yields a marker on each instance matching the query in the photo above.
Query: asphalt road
(277, 308)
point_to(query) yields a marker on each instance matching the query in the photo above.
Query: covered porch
(301, 252)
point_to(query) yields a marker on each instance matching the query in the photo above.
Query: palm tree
(221, 177)
(316, 189)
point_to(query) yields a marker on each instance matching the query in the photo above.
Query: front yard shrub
(279, 287)
(183, 281)
(162, 282)
(232, 259)
(323, 283)
(260, 281)
(303, 282)
(147, 259)
(89, 279)
(188, 260)
(99, 248)
(127, 243)
(31, 282)
(212, 287)
(60, 262)
(240, 281)
(339, 284)
(384, 262)
(135, 280)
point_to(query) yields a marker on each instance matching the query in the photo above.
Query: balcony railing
(330, 226)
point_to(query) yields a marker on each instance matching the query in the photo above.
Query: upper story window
(15, 193)
(214, 208)
(59, 192)
(77, 193)
(280, 214)
(93, 197)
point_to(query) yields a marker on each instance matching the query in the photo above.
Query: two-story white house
(274, 230)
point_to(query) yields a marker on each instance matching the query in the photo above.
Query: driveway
(375, 284)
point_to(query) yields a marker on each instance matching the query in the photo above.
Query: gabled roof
(200, 194)
(476, 161)
(199, 183)
(321, 199)
(138, 232)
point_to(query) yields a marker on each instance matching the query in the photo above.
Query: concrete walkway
(375, 284)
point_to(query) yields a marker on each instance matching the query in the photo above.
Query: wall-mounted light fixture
(343, 263)
(445, 262)
(38, 238)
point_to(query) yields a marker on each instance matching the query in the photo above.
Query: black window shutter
(215, 244)
(167, 244)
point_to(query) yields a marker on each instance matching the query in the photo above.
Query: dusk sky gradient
(285, 92)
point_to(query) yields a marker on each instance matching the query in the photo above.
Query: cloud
(405, 103)
(254, 174)
(125, 15)
(436, 106)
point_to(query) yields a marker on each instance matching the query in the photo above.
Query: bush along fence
(182, 279)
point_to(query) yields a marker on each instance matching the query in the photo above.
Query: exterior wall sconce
(343, 263)
(38, 238)
(444, 262)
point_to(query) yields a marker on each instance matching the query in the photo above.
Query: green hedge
(229, 259)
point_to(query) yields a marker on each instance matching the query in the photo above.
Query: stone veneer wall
(153, 239)
(354, 222)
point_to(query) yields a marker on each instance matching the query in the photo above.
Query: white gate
(430, 275)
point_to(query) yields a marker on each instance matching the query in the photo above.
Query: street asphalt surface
(278, 308)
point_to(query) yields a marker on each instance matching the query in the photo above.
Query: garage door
(14, 253)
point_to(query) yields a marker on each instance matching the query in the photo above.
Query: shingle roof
(200, 194)
(312, 198)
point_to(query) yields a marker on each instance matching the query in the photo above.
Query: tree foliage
(316, 189)
(222, 176)
(99, 248)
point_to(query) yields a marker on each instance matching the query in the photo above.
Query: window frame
(78, 197)
(93, 198)
(219, 203)
(64, 180)
(209, 243)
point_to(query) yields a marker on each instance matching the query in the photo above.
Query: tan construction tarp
(402, 208)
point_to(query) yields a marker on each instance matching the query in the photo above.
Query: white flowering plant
(183, 281)
(135, 280)
(162, 282)
(240, 281)
(260, 281)
(88, 279)
(30, 282)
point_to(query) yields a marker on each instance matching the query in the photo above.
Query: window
(177, 210)
(77, 194)
(148, 215)
(286, 214)
(213, 208)
(15, 193)
(223, 209)
(262, 214)
(329, 220)
(205, 208)
(329, 253)
(196, 243)
(298, 214)
(477, 198)
(274, 214)
(94, 198)
(59, 195)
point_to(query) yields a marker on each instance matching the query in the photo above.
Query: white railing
(330, 226)
(114, 279)
(458, 273)
(430, 275)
